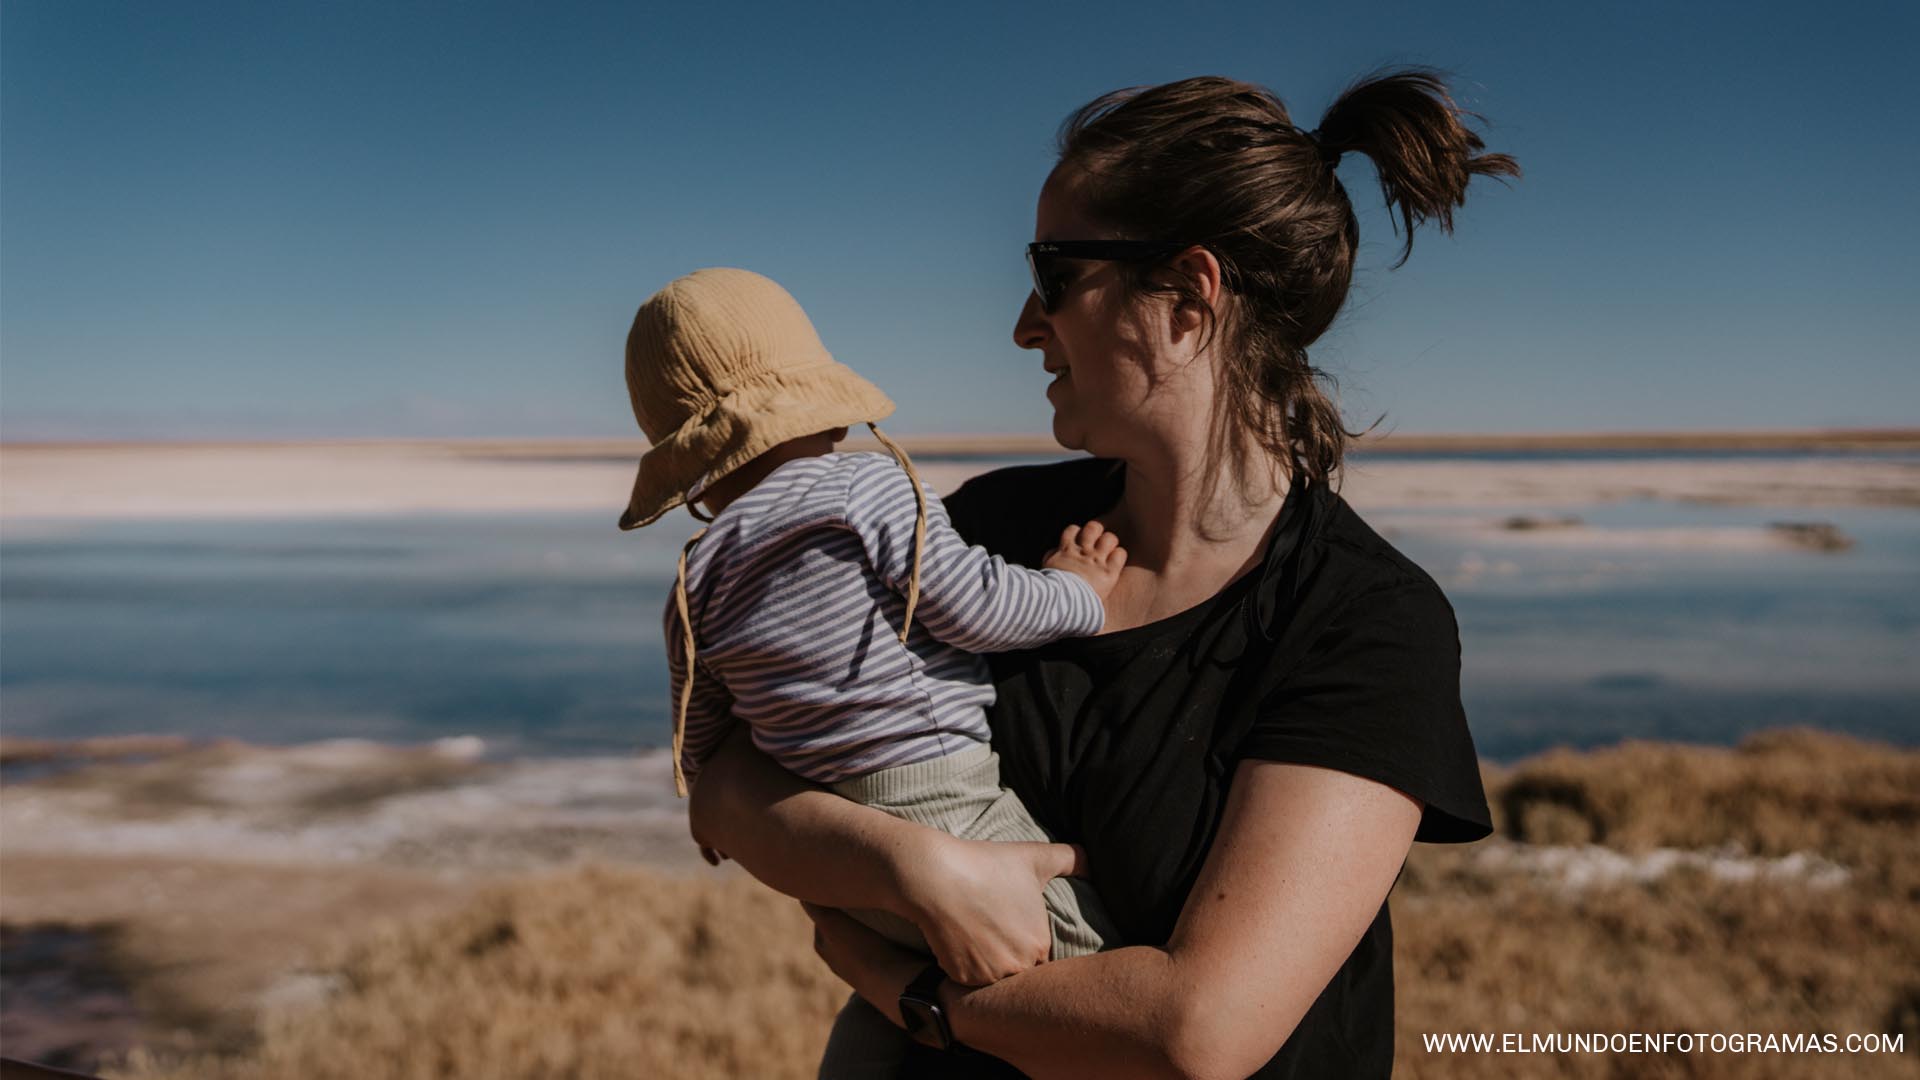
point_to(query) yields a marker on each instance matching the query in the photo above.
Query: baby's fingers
(1090, 535)
(1106, 543)
(1069, 536)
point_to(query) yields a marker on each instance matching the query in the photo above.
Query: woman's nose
(1030, 329)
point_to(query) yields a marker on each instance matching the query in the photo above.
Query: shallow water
(540, 633)
(1706, 638)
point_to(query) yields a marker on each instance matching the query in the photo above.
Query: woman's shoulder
(1043, 480)
(1355, 563)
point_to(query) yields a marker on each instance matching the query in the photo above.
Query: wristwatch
(920, 1007)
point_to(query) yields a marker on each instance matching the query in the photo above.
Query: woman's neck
(1189, 530)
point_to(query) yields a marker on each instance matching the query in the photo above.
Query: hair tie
(1330, 155)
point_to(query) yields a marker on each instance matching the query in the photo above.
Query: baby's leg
(864, 1045)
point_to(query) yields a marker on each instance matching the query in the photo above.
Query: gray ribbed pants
(958, 794)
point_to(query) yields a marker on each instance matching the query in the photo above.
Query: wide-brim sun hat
(722, 366)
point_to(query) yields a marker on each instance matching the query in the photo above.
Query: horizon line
(967, 443)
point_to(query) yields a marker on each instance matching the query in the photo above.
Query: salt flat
(293, 480)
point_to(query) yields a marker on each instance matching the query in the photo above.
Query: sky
(311, 220)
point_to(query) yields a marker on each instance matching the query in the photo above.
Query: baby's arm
(971, 599)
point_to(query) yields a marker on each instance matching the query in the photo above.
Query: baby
(829, 604)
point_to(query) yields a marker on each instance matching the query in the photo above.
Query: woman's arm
(978, 904)
(1303, 860)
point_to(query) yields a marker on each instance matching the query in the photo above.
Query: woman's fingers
(970, 966)
(1054, 860)
(1078, 867)
(1063, 860)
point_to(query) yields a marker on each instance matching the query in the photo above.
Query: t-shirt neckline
(1237, 593)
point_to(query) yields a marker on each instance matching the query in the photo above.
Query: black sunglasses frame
(1041, 254)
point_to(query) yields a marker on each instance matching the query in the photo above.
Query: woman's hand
(980, 907)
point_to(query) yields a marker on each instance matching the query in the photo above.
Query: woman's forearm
(799, 838)
(1113, 1014)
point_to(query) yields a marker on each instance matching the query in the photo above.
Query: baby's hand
(1091, 552)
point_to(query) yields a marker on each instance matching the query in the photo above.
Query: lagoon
(539, 631)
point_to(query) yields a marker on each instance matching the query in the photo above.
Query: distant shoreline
(977, 445)
(125, 481)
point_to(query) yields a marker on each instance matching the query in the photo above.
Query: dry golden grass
(619, 973)
(595, 972)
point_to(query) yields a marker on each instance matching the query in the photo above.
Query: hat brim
(747, 421)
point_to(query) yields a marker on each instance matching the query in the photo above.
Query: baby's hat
(722, 366)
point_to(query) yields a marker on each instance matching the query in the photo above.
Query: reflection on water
(541, 633)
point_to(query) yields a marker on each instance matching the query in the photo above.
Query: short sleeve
(1377, 695)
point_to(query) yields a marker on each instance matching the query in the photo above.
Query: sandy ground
(301, 480)
(202, 942)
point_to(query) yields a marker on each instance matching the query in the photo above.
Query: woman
(1273, 715)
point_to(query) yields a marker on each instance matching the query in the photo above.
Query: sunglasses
(1050, 281)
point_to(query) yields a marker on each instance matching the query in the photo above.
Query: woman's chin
(1068, 435)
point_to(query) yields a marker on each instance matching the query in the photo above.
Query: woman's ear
(1203, 275)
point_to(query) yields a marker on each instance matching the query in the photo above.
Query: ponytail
(1409, 125)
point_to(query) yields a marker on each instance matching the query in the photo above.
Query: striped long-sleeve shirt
(797, 592)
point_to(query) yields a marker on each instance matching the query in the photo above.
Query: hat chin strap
(686, 619)
(686, 682)
(919, 525)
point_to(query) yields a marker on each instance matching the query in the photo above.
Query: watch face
(918, 1016)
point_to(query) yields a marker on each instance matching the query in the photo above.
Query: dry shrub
(1482, 951)
(595, 972)
(1776, 793)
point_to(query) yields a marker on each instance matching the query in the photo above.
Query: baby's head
(722, 368)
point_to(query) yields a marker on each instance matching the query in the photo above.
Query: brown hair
(1219, 163)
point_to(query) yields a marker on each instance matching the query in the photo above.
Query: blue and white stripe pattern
(797, 593)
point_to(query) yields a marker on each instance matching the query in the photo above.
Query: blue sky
(372, 219)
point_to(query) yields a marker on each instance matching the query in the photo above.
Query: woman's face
(1108, 352)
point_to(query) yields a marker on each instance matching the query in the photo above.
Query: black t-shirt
(1337, 651)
